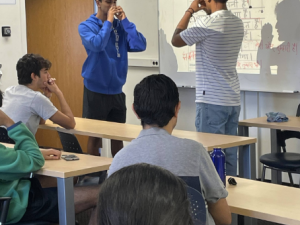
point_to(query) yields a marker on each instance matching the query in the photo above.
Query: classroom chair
(4, 136)
(197, 203)
(284, 161)
(4, 206)
(71, 144)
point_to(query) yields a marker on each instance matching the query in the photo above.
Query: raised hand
(111, 13)
(195, 5)
(120, 13)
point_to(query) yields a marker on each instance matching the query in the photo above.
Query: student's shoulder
(190, 144)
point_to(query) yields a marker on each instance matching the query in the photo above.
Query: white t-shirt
(21, 103)
(218, 38)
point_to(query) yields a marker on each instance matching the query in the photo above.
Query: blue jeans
(218, 119)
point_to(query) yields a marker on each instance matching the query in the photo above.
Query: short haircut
(221, 1)
(143, 194)
(155, 99)
(28, 64)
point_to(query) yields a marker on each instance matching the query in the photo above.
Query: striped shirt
(218, 39)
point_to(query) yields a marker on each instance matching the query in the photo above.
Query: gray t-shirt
(183, 157)
(21, 103)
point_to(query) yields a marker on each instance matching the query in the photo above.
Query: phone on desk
(69, 157)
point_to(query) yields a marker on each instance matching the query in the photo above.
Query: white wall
(253, 105)
(14, 47)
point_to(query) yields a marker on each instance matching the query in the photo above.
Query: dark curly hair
(28, 64)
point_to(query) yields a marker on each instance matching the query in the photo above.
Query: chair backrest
(282, 136)
(4, 205)
(298, 111)
(197, 202)
(4, 136)
(197, 206)
(69, 141)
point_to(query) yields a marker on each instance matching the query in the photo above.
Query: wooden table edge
(263, 216)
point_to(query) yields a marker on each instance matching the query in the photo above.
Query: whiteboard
(144, 14)
(269, 59)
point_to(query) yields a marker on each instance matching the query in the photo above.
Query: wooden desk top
(271, 202)
(128, 132)
(64, 169)
(293, 124)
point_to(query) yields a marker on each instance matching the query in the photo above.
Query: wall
(14, 47)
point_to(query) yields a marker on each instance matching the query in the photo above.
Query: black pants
(104, 107)
(42, 204)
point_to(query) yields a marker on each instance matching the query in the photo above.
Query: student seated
(31, 202)
(143, 194)
(156, 104)
(25, 103)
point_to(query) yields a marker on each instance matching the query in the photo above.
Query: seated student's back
(156, 103)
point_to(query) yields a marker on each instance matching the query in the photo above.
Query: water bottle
(218, 158)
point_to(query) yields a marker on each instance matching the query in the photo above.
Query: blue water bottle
(218, 158)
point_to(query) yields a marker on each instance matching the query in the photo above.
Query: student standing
(107, 41)
(218, 38)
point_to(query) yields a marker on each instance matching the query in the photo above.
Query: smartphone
(69, 157)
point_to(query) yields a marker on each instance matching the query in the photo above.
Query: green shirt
(16, 163)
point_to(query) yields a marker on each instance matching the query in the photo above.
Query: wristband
(189, 12)
(192, 9)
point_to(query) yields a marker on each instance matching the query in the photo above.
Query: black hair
(143, 194)
(28, 64)
(155, 99)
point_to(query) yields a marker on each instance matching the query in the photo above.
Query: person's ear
(34, 76)
(135, 112)
(177, 108)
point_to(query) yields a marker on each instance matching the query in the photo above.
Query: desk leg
(276, 175)
(66, 201)
(247, 161)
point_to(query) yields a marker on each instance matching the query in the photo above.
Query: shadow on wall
(286, 56)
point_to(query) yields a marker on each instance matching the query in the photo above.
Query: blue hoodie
(105, 69)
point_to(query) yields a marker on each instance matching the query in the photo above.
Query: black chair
(71, 144)
(69, 141)
(197, 202)
(4, 136)
(4, 206)
(283, 161)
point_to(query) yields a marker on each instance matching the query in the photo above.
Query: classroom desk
(128, 132)
(293, 125)
(266, 201)
(64, 171)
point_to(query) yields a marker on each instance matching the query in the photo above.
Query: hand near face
(51, 88)
(111, 13)
(47, 92)
(267, 33)
(195, 5)
(120, 13)
(51, 154)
